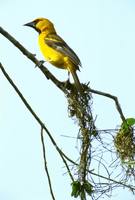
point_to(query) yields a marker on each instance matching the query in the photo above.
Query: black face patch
(33, 25)
(36, 29)
(35, 22)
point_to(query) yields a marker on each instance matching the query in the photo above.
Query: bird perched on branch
(55, 49)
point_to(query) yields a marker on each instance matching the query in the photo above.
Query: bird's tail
(77, 82)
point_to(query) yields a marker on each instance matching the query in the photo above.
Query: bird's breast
(50, 54)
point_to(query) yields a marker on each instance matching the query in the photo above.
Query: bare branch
(111, 97)
(45, 165)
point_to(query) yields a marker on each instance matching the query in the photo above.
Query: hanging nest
(79, 108)
(78, 104)
(124, 142)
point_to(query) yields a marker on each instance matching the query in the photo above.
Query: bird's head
(41, 24)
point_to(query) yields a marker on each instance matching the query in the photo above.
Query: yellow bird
(55, 49)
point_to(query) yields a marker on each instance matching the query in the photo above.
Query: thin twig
(110, 179)
(68, 169)
(45, 165)
(111, 97)
(101, 176)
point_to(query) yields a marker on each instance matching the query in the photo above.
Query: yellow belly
(51, 55)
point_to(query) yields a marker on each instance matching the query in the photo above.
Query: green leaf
(76, 187)
(88, 187)
(130, 121)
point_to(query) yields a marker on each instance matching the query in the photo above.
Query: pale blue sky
(102, 33)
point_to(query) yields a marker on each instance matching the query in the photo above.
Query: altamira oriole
(55, 49)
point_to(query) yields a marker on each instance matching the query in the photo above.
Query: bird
(55, 50)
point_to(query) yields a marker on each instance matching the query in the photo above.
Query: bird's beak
(30, 24)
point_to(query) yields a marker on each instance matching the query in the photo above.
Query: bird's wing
(56, 42)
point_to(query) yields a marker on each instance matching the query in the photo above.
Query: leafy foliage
(81, 190)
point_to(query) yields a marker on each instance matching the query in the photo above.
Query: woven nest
(125, 144)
